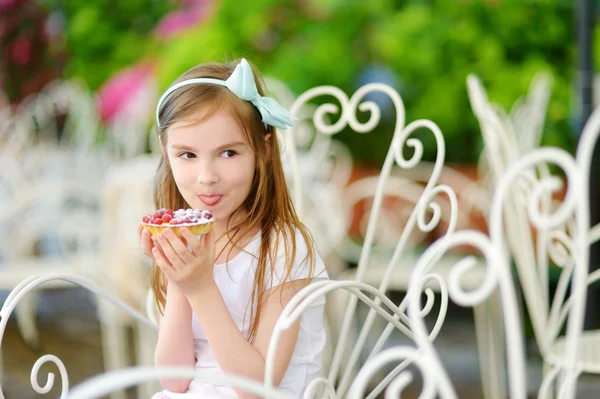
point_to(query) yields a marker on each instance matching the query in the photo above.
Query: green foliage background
(104, 36)
(431, 46)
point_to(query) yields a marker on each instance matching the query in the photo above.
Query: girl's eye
(187, 155)
(228, 153)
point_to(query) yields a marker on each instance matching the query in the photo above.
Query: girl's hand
(187, 262)
(146, 242)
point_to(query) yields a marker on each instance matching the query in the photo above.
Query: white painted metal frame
(535, 240)
(383, 273)
(49, 280)
(40, 159)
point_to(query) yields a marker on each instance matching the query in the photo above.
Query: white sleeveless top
(235, 280)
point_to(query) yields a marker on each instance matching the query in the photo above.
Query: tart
(198, 221)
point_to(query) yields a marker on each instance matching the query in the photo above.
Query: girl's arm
(231, 349)
(175, 345)
(192, 273)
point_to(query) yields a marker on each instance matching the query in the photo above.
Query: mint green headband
(241, 83)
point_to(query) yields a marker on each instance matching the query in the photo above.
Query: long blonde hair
(268, 206)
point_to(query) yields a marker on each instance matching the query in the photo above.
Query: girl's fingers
(146, 242)
(195, 243)
(140, 231)
(168, 251)
(180, 244)
(163, 264)
(156, 245)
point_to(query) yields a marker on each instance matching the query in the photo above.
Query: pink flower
(116, 92)
(195, 12)
(175, 22)
(8, 3)
(197, 3)
(21, 51)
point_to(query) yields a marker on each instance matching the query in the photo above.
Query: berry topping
(166, 216)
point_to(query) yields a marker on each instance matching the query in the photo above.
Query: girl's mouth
(210, 200)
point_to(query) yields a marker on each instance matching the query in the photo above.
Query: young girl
(221, 294)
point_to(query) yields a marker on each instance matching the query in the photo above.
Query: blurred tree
(104, 36)
(26, 62)
(429, 46)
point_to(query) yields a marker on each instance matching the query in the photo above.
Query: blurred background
(425, 49)
(79, 81)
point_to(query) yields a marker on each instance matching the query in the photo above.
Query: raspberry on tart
(198, 221)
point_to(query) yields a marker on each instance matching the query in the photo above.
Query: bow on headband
(241, 83)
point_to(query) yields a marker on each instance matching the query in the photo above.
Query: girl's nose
(207, 174)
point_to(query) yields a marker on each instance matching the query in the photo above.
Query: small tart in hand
(198, 221)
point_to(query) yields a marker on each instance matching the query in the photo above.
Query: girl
(221, 294)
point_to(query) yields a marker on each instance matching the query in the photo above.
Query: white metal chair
(528, 114)
(72, 225)
(542, 231)
(54, 174)
(386, 226)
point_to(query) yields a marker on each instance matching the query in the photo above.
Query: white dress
(235, 281)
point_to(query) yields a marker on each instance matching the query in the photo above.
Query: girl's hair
(268, 205)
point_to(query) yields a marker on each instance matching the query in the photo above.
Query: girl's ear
(268, 144)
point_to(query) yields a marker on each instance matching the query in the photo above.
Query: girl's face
(212, 164)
